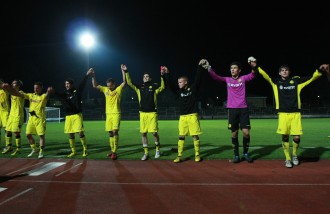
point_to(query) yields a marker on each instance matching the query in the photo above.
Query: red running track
(159, 186)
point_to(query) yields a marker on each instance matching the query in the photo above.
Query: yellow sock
(8, 141)
(180, 147)
(286, 149)
(145, 148)
(33, 146)
(72, 143)
(111, 143)
(294, 148)
(196, 145)
(83, 142)
(115, 143)
(157, 146)
(18, 142)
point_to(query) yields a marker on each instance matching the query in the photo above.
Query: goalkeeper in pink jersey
(238, 112)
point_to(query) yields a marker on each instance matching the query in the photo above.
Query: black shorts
(238, 118)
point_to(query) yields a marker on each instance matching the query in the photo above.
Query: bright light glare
(87, 40)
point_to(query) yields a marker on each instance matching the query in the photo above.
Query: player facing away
(15, 119)
(36, 124)
(4, 111)
(189, 124)
(288, 105)
(72, 99)
(147, 96)
(238, 112)
(112, 94)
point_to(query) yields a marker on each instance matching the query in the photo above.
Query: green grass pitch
(215, 140)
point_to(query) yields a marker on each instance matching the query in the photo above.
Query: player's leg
(157, 144)
(30, 130)
(145, 146)
(114, 125)
(153, 127)
(195, 131)
(15, 126)
(83, 142)
(108, 128)
(284, 126)
(40, 124)
(286, 150)
(233, 125)
(183, 131)
(41, 146)
(245, 126)
(8, 147)
(72, 143)
(144, 134)
(32, 145)
(296, 131)
(114, 144)
(78, 127)
(197, 148)
(295, 146)
(68, 124)
(18, 143)
(179, 158)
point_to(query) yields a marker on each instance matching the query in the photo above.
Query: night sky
(38, 40)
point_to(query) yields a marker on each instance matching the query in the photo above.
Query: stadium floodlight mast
(87, 41)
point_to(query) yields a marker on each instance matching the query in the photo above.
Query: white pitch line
(24, 168)
(2, 189)
(15, 196)
(68, 169)
(45, 168)
(175, 184)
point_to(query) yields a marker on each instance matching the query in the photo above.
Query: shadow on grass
(312, 154)
(263, 151)
(215, 151)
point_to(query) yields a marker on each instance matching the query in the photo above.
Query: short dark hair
(184, 77)
(39, 83)
(110, 80)
(69, 81)
(284, 66)
(147, 73)
(238, 64)
(19, 82)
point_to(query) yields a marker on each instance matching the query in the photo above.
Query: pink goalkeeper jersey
(235, 88)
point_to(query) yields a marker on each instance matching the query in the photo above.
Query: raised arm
(162, 82)
(123, 69)
(198, 73)
(94, 82)
(128, 79)
(83, 82)
(169, 82)
(10, 89)
(253, 63)
(206, 65)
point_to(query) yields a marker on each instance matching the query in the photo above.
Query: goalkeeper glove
(206, 65)
(251, 59)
